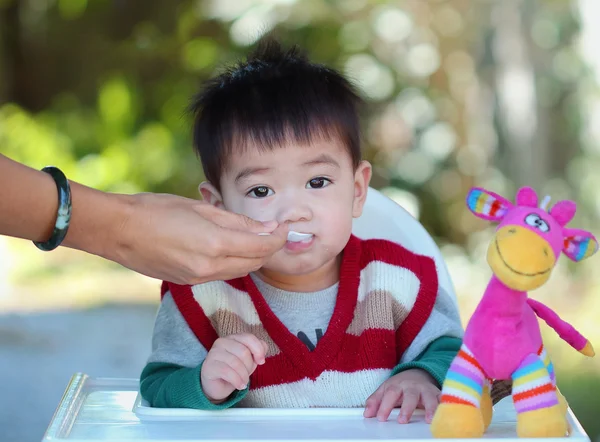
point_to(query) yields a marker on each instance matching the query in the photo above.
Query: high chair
(94, 409)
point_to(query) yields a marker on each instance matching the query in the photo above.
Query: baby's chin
(291, 269)
(298, 279)
(315, 267)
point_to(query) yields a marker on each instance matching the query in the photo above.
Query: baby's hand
(409, 389)
(229, 364)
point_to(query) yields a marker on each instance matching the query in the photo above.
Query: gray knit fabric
(305, 314)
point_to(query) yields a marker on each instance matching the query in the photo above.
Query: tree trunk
(11, 55)
(523, 127)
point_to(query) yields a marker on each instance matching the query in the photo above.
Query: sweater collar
(315, 362)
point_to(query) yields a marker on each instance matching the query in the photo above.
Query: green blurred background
(461, 92)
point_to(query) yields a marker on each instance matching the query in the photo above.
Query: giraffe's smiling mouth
(516, 271)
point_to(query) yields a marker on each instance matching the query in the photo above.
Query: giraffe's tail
(565, 330)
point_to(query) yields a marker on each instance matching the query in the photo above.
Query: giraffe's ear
(487, 205)
(563, 211)
(526, 196)
(579, 244)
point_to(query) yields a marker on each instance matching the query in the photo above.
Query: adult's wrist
(63, 215)
(120, 226)
(97, 222)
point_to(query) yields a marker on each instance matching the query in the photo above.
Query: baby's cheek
(255, 209)
(275, 261)
(336, 229)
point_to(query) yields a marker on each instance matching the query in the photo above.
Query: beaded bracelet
(63, 217)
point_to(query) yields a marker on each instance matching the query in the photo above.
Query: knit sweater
(386, 315)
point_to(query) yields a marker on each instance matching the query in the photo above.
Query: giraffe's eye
(534, 220)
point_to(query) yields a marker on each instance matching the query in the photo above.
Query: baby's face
(314, 189)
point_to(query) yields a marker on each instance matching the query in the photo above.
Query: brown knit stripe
(226, 323)
(500, 390)
(374, 311)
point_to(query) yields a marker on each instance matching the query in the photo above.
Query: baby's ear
(362, 178)
(210, 194)
(579, 244)
(487, 205)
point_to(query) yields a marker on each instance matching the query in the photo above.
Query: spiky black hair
(273, 97)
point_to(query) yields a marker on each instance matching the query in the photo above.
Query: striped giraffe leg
(564, 406)
(459, 414)
(539, 413)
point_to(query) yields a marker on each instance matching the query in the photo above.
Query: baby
(331, 320)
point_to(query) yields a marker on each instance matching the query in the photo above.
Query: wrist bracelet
(63, 216)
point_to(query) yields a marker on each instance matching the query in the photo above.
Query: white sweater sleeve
(172, 339)
(443, 321)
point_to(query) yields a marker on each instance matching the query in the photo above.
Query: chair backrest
(382, 218)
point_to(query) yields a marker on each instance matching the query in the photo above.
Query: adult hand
(163, 236)
(186, 241)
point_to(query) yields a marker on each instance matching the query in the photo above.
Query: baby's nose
(293, 213)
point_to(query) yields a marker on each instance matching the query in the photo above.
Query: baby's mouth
(299, 237)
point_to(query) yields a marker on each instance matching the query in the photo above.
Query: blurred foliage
(582, 392)
(492, 93)
(459, 92)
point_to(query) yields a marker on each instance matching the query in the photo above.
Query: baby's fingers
(430, 401)
(410, 400)
(390, 399)
(231, 376)
(257, 347)
(372, 403)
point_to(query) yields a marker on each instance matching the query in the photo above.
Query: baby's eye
(318, 183)
(260, 192)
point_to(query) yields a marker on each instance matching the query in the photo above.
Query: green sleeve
(173, 386)
(435, 359)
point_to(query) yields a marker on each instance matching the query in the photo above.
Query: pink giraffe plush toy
(502, 340)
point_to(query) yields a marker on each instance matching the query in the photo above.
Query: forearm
(30, 198)
(97, 221)
(28, 201)
(435, 360)
(171, 379)
(438, 342)
(172, 386)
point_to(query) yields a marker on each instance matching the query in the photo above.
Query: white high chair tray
(94, 409)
